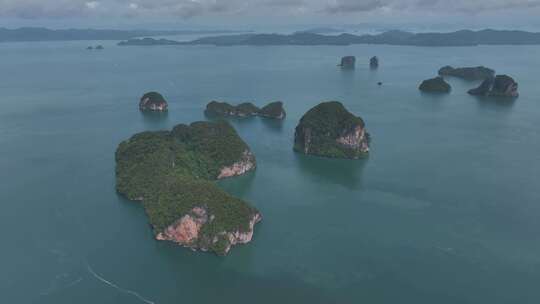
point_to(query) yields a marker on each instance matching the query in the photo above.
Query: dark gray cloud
(242, 8)
(352, 6)
(432, 6)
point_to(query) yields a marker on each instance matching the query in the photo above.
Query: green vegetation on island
(247, 109)
(153, 101)
(172, 173)
(272, 110)
(467, 73)
(435, 85)
(216, 108)
(329, 130)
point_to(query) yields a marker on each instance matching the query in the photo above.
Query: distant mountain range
(322, 30)
(44, 34)
(458, 38)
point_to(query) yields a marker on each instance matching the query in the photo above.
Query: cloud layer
(194, 8)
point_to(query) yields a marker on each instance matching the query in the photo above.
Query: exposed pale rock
(153, 101)
(329, 130)
(186, 230)
(247, 163)
(355, 139)
(238, 237)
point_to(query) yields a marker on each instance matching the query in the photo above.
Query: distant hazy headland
(44, 34)
(458, 38)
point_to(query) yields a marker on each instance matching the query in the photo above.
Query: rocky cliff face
(241, 237)
(355, 139)
(504, 86)
(329, 130)
(374, 62)
(348, 62)
(153, 101)
(187, 232)
(247, 163)
(500, 86)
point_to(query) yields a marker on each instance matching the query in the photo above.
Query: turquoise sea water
(445, 210)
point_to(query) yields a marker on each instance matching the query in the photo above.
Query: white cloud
(92, 4)
(250, 8)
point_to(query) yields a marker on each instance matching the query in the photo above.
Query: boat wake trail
(111, 284)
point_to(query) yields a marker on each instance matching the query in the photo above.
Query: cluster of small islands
(492, 85)
(173, 172)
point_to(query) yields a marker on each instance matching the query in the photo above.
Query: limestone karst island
(330, 130)
(435, 85)
(273, 110)
(172, 174)
(153, 102)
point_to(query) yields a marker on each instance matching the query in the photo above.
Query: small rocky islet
(347, 62)
(98, 47)
(374, 63)
(330, 130)
(273, 110)
(153, 102)
(435, 85)
(172, 174)
(498, 86)
(492, 85)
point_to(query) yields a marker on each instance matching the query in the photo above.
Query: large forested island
(329, 130)
(172, 173)
(458, 38)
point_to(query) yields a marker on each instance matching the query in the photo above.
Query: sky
(156, 13)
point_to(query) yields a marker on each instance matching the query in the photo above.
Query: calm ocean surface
(445, 210)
